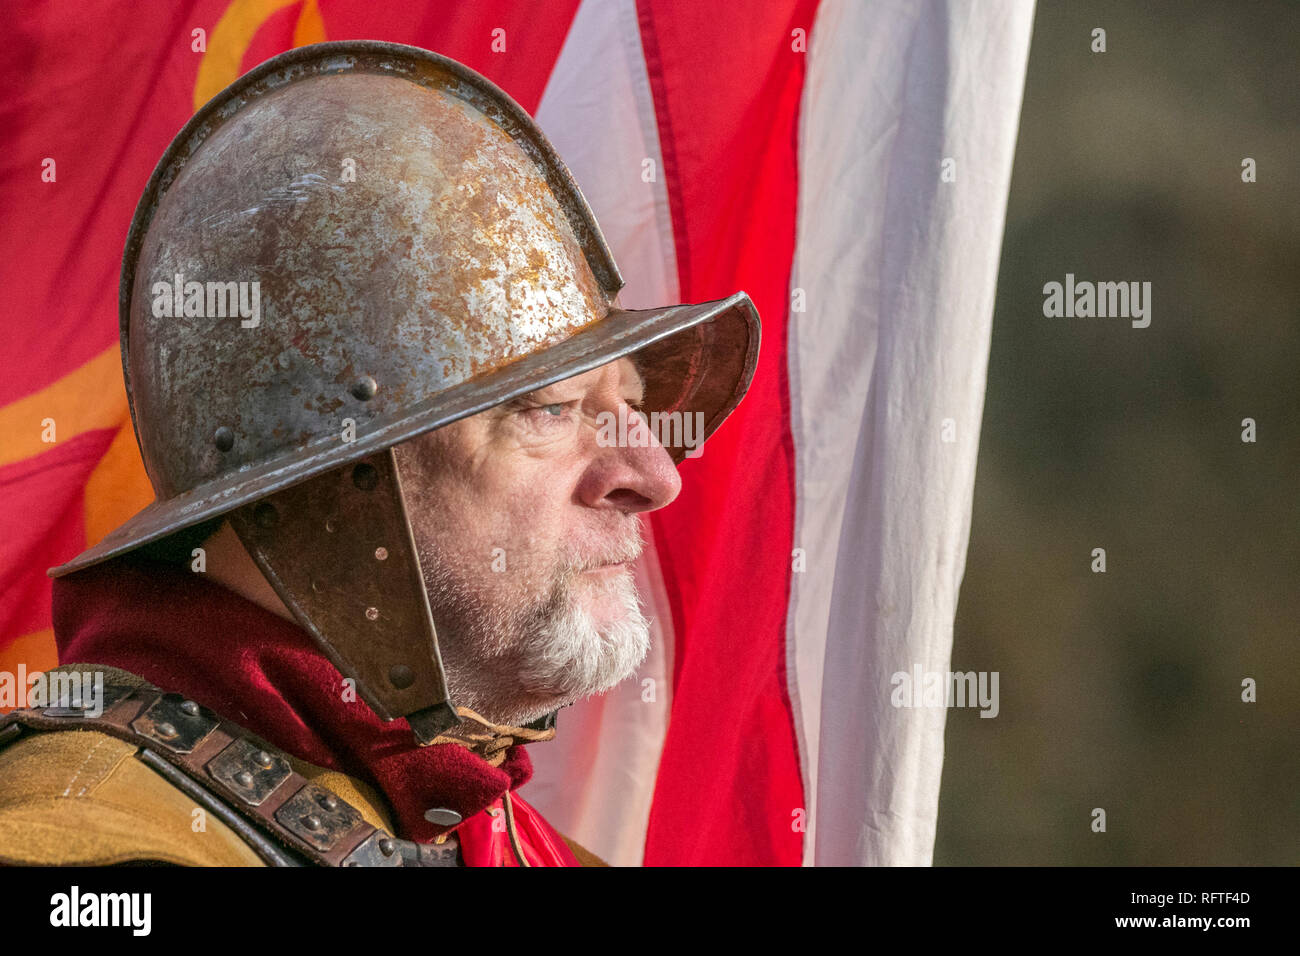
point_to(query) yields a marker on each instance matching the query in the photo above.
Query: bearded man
(369, 330)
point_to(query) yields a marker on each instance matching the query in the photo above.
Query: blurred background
(1123, 690)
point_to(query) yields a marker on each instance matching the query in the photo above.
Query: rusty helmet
(351, 245)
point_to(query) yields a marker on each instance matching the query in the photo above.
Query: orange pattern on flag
(85, 399)
(234, 33)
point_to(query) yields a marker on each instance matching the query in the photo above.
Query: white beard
(571, 656)
(512, 667)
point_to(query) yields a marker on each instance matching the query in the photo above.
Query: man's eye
(545, 416)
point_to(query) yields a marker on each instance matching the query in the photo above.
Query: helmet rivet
(223, 438)
(401, 676)
(372, 614)
(365, 477)
(364, 388)
(265, 515)
(381, 554)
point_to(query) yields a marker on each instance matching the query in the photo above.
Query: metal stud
(189, 708)
(265, 515)
(304, 816)
(328, 802)
(253, 780)
(387, 847)
(442, 817)
(223, 438)
(165, 722)
(365, 476)
(364, 388)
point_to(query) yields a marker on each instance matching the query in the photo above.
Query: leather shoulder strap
(251, 787)
(84, 799)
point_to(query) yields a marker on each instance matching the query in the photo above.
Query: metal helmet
(351, 245)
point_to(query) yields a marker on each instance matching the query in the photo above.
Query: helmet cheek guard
(351, 245)
(338, 550)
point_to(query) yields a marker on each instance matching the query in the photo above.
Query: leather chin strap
(491, 742)
(488, 740)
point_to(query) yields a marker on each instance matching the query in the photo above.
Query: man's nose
(633, 475)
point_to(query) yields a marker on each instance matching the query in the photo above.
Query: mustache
(622, 547)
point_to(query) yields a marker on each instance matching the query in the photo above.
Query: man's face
(527, 529)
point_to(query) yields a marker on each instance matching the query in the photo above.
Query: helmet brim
(695, 359)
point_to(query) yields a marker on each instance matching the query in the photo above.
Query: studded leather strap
(285, 818)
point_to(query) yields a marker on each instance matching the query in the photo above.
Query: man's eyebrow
(539, 392)
(538, 395)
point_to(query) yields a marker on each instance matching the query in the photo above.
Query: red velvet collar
(189, 635)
